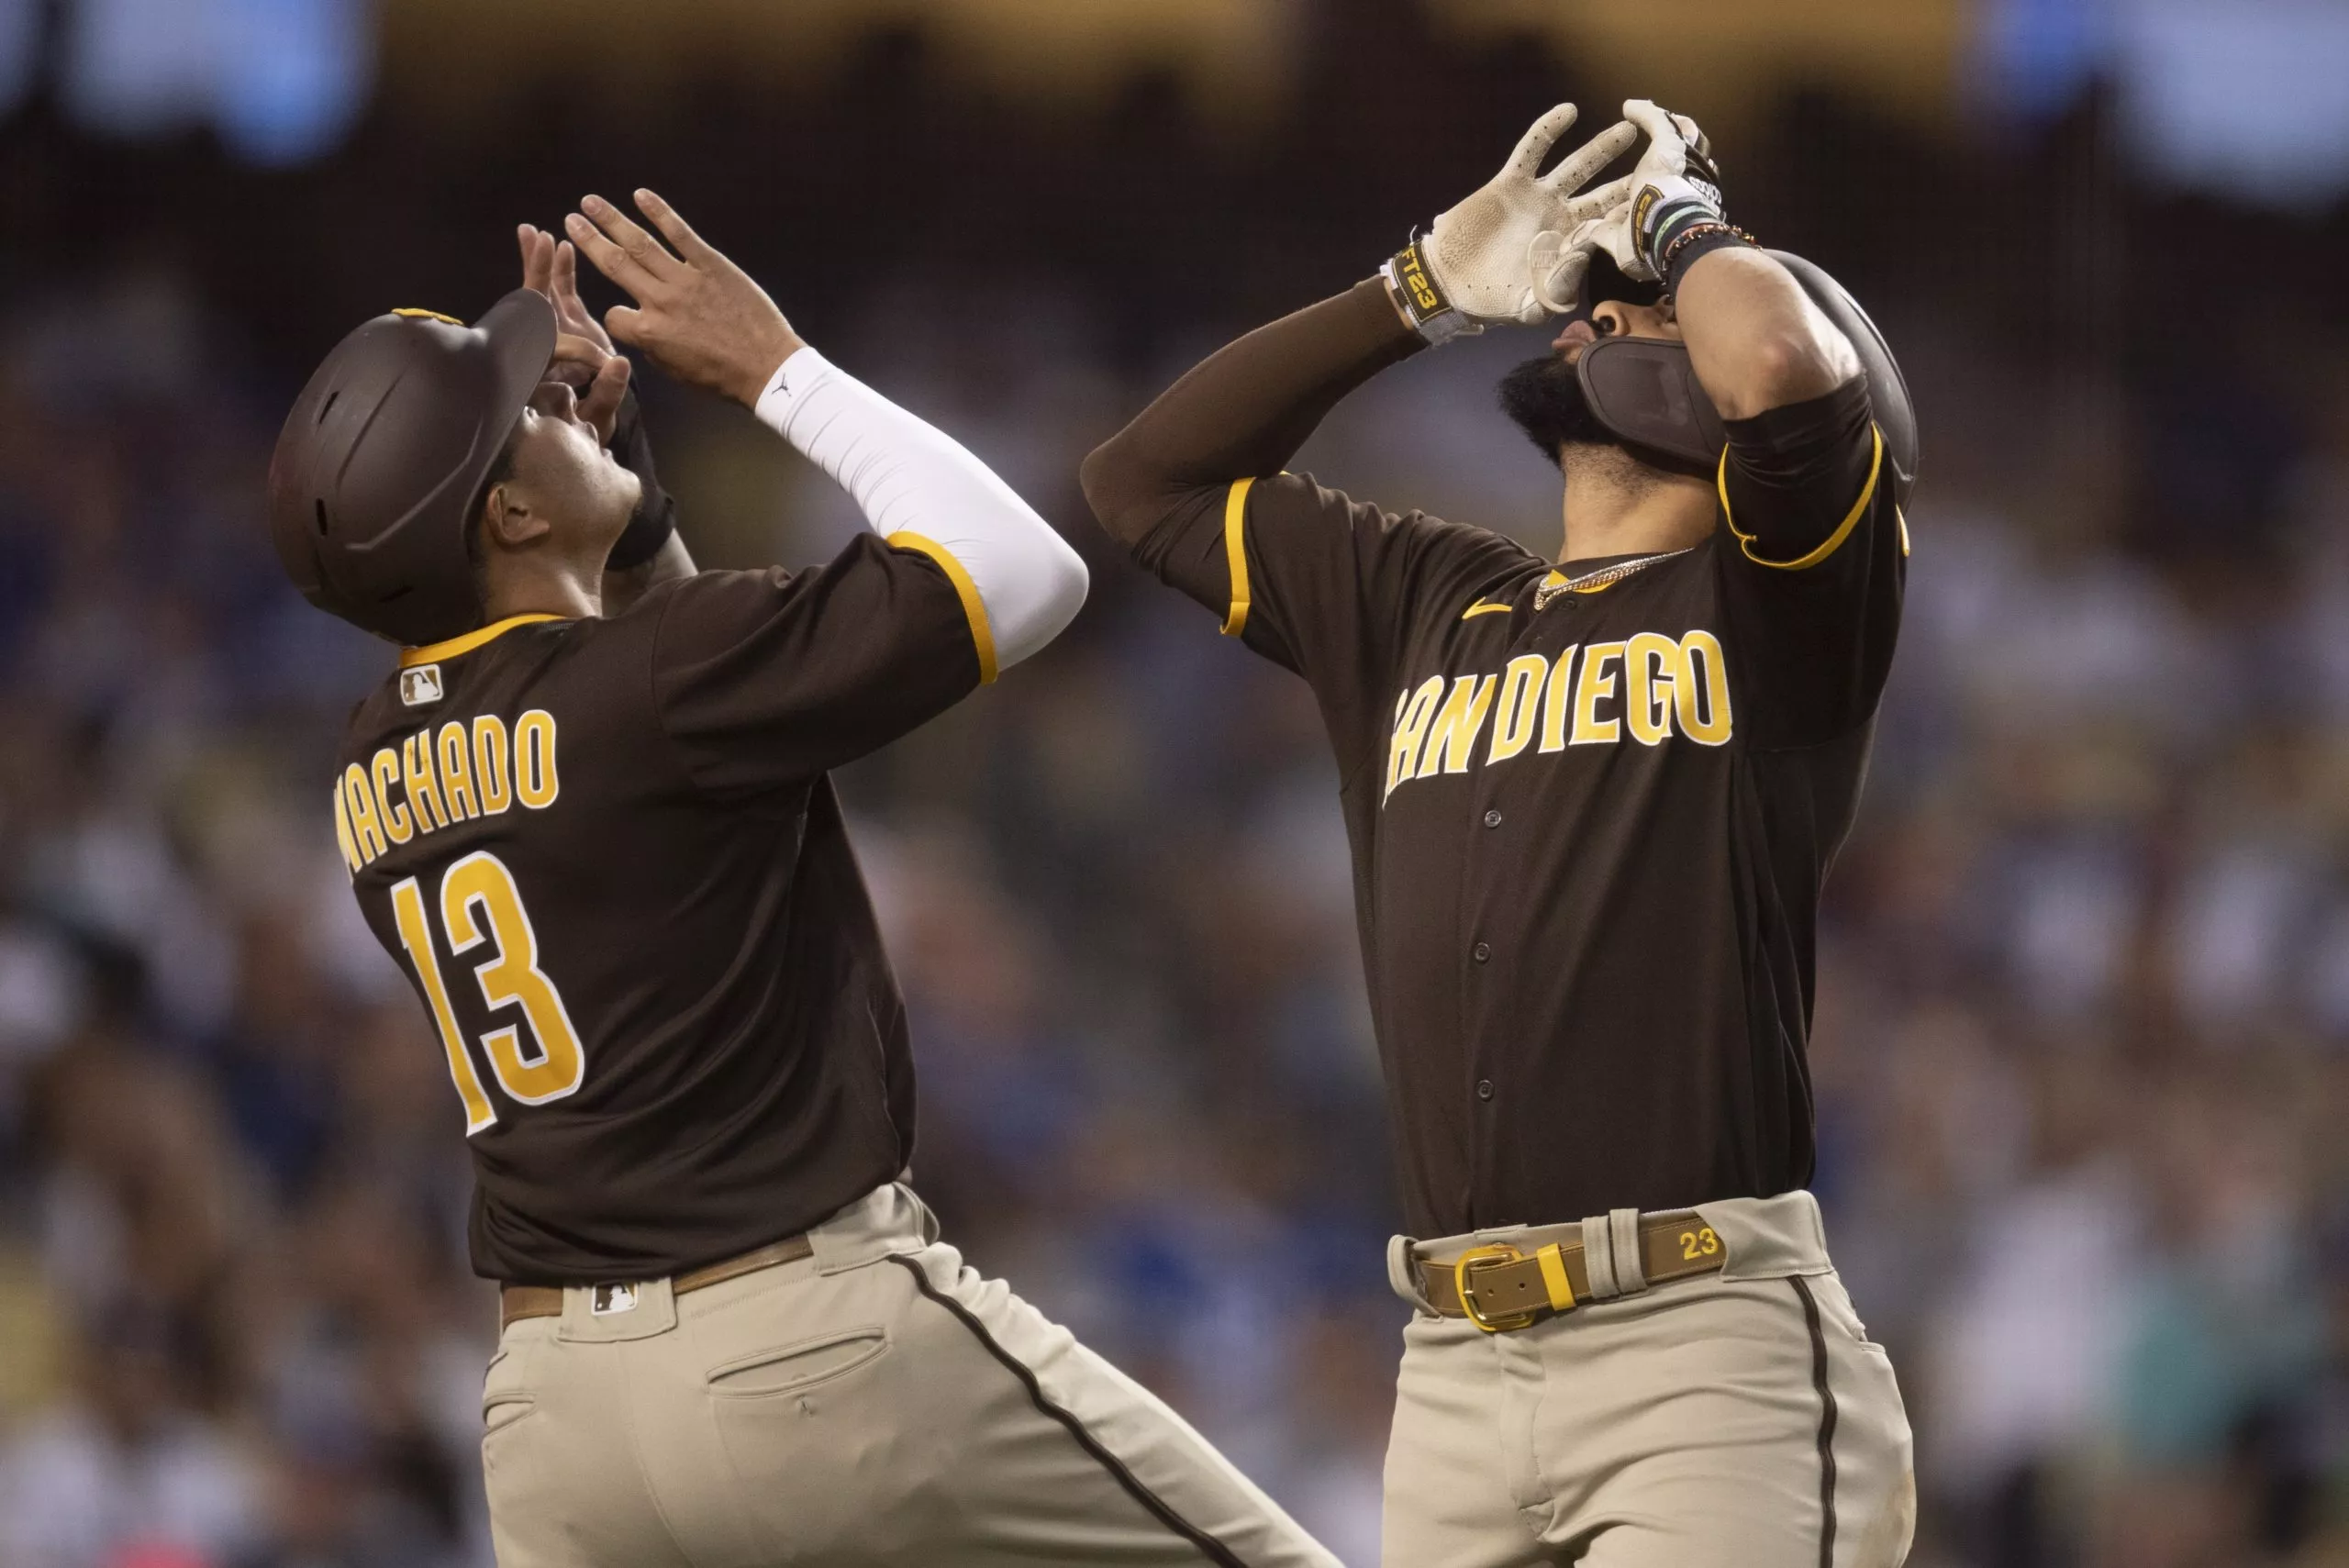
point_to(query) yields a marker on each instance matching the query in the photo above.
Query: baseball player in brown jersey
(602, 843)
(1591, 803)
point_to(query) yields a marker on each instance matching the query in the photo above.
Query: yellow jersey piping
(974, 608)
(433, 652)
(1235, 554)
(1834, 541)
(1486, 607)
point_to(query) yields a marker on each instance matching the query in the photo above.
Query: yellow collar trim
(432, 653)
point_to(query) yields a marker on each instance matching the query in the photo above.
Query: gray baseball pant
(1741, 1419)
(877, 1403)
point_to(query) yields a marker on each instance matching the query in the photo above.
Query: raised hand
(1676, 169)
(584, 359)
(1503, 254)
(698, 316)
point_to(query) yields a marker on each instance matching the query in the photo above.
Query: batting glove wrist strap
(1674, 212)
(1419, 300)
(1677, 219)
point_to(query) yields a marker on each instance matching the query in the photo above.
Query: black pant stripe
(1826, 1423)
(1159, 1508)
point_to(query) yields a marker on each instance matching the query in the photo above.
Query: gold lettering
(1520, 700)
(1553, 705)
(534, 776)
(1598, 684)
(385, 765)
(342, 831)
(492, 774)
(457, 773)
(417, 777)
(1713, 724)
(480, 882)
(1452, 736)
(1650, 661)
(366, 831)
(415, 935)
(1410, 728)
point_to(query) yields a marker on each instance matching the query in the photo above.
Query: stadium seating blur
(2083, 1017)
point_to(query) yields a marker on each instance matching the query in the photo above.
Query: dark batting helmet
(1645, 392)
(377, 470)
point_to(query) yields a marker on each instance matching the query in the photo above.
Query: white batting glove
(1677, 168)
(1500, 255)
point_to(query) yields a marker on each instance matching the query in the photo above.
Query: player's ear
(508, 519)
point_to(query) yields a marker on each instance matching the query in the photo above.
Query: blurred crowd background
(2083, 1038)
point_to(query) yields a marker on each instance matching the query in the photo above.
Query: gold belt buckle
(1498, 1251)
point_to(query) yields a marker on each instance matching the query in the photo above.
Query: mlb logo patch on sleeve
(420, 686)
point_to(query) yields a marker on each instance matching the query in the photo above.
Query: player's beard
(1544, 396)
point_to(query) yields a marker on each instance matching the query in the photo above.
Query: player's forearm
(1243, 412)
(910, 477)
(1755, 340)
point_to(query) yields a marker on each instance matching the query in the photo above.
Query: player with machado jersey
(1591, 803)
(590, 816)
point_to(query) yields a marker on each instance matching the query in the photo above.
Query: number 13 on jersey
(480, 903)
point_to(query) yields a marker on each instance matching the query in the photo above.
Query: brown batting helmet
(376, 472)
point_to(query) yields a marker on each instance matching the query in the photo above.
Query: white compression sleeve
(908, 476)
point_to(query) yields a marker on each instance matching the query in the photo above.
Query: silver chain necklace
(1601, 578)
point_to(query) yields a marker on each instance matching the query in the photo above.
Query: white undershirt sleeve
(911, 478)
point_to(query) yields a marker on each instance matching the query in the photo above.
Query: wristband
(1676, 221)
(647, 533)
(655, 518)
(1418, 301)
(1692, 241)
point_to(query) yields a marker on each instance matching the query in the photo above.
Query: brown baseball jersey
(1591, 806)
(607, 855)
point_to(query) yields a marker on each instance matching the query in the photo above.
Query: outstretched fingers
(1581, 165)
(608, 258)
(570, 310)
(645, 251)
(1599, 200)
(1535, 144)
(538, 256)
(619, 249)
(1644, 114)
(563, 275)
(672, 227)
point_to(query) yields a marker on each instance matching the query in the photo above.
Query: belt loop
(1631, 1273)
(1599, 1257)
(1403, 1272)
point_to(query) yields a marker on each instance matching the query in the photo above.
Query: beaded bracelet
(1696, 239)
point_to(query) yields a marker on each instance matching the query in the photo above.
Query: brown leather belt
(1508, 1288)
(516, 1302)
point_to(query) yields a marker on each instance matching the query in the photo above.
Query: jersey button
(1482, 951)
(1492, 818)
(1484, 1088)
